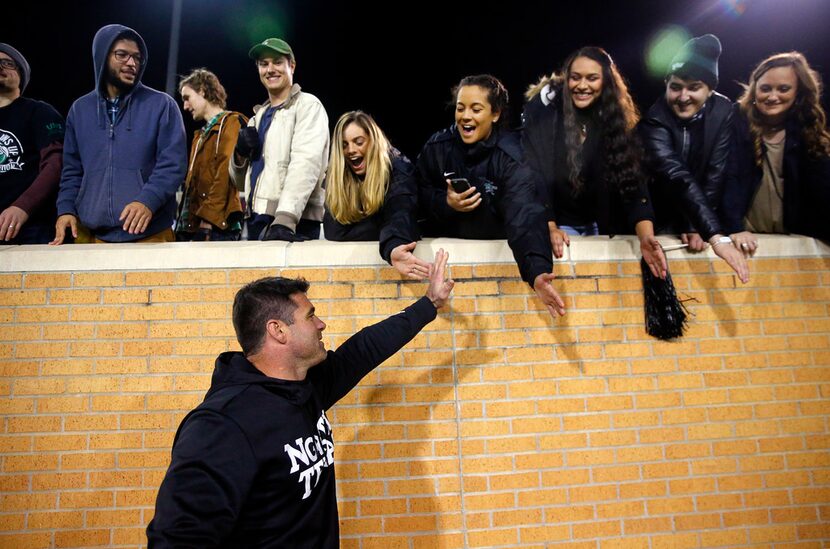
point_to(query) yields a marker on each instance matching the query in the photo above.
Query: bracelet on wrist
(714, 241)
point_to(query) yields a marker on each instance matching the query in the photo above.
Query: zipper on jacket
(684, 149)
(109, 164)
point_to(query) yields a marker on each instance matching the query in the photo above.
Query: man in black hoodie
(253, 465)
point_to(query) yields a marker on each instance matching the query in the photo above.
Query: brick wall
(496, 427)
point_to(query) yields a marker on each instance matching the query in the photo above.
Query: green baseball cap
(271, 46)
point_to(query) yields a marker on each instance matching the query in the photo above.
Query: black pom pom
(665, 314)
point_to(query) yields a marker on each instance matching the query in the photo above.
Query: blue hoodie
(141, 157)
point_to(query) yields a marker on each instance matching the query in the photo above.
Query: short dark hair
(130, 35)
(260, 301)
(205, 82)
(496, 94)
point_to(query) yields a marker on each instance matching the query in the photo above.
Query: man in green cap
(281, 156)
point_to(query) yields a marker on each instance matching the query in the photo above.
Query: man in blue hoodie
(124, 151)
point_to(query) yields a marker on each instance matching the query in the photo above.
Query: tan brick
(33, 424)
(115, 479)
(91, 422)
(489, 537)
(41, 314)
(147, 384)
(15, 483)
(596, 529)
(30, 462)
(22, 540)
(80, 500)
(698, 521)
(638, 490)
(614, 438)
(658, 400)
(636, 419)
(21, 333)
(639, 454)
(680, 381)
(40, 350)
(55, 520)
(87, 460)
(61, 297)
(121, 366)
(583, 422)
(39, 386)
(68, 331)
(22, 297)
(94, 348)
(24, 502)
(10, 280)
(97, 280)
(664, 470)
(51, 481)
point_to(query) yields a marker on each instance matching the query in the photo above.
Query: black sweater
(253, 465)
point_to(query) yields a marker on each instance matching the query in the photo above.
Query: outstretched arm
(368, 348)
(543, 286)
(651, 249)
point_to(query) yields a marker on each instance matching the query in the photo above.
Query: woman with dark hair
(371, 193)
(472, 183)
(778, 179)
(579, 138)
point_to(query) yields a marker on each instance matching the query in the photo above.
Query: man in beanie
(125, 154)
(281, 156)
(686, 136)
(31, 144)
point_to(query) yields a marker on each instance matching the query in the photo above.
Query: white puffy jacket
(296, 153)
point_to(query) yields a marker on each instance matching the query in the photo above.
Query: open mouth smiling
(356, 162)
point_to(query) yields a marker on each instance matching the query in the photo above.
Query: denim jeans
(580, 230)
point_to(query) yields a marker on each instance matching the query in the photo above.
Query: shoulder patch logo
(10, 152)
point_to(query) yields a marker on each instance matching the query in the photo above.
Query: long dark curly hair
(617, 116)
(807, 107)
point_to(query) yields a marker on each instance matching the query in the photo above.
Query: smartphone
(459, 184)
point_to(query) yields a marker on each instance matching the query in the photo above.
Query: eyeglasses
(8, 64)
(123, 56)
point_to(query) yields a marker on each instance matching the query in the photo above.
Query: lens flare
(662, 47)
(252, 25)
(736, 8)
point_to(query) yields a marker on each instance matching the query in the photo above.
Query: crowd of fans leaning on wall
(583, 162)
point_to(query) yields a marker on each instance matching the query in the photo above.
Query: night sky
(399, 61)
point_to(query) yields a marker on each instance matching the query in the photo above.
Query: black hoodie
(253, 465)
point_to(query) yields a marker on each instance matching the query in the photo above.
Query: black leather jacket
(394, 224)
(806, 183)
(509, 208)
(616, 212)
(687, 195)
